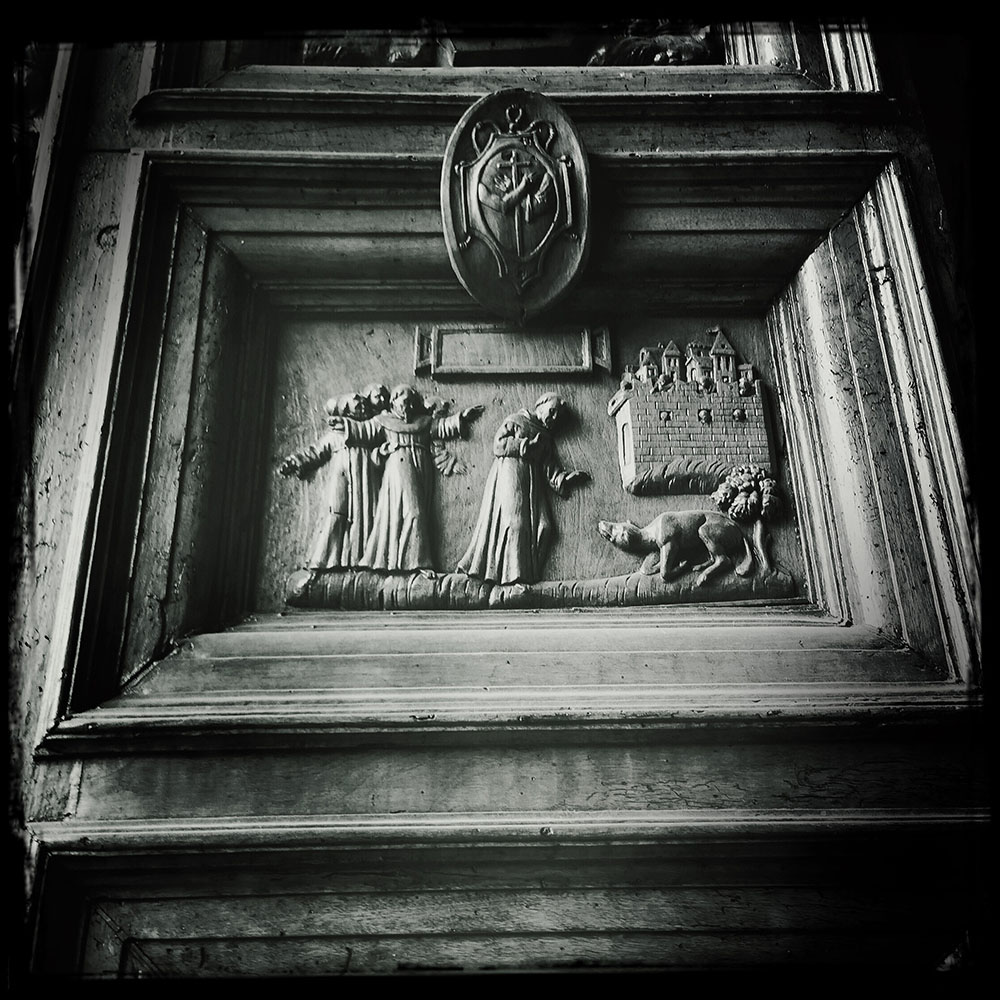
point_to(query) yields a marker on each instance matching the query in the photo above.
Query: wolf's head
(623, 534)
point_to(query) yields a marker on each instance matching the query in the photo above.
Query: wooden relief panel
(469, 489)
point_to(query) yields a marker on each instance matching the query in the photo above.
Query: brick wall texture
(665, 426)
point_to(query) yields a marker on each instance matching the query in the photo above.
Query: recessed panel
(320, 363)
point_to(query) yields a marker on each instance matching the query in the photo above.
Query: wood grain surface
(316, 360)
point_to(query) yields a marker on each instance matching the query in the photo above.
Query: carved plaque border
(437, 354)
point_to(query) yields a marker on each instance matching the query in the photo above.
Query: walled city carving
(683, 420)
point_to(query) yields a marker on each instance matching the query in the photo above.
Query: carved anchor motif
(514, 195)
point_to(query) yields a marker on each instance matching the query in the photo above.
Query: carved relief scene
(540, 446)
(410, 474)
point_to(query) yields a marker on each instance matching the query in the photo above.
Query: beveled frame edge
(36, 231)
(938, 474)
(84, 862)
(78, 554)
(584, 106)
(83, 838)
(167, 168)
(937, 482)
(664, 714)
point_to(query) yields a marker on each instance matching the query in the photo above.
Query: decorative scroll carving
(515, 202)
(682, 421)
(401, 537)
(515, 528)
(648, 42)
(468, 350)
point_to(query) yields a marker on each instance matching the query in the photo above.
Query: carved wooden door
(597, 598)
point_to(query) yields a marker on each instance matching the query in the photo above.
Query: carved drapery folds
(516, 528)
(385, 450)
(690, 555)
(352, 487)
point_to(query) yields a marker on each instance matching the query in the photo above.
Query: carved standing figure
(515, 529)
(377, 396)
(352, 486)
(402, 536)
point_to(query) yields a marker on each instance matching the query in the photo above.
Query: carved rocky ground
(364, 590)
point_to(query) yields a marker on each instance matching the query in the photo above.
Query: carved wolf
(675, 539)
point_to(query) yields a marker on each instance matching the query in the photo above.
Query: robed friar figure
(516, 528)
(352, 485)
(402, 533)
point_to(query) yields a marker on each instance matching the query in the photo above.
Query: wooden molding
(78, 552)
(180, 185)
(361, 98)
(887, 541)
(253, 719)
(850, 59)
(325, 680)
(936, 471)
(815, 506)
(98, 838)
(41, 225)
(293, 895)
(829, 55)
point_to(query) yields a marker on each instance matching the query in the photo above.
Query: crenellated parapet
(682, 421)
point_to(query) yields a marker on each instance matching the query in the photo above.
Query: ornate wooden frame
(887, 525)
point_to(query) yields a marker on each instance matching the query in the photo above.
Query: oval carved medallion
(515, 202)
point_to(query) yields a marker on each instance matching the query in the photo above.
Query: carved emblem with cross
(515, 201)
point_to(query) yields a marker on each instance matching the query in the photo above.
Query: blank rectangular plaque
(486, 350)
